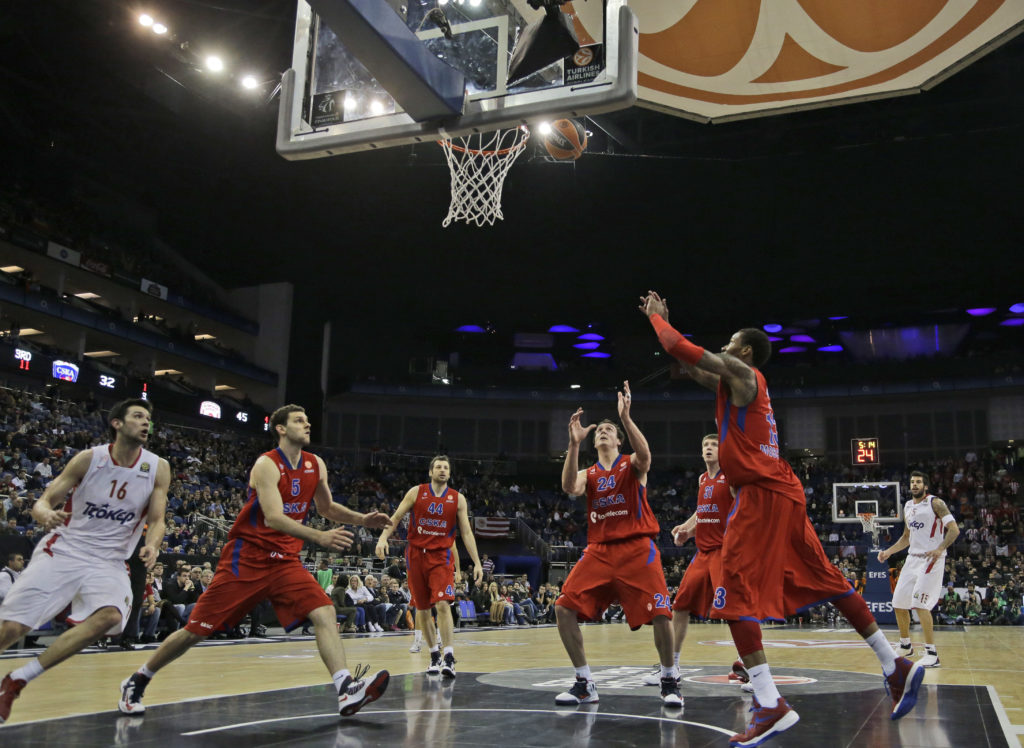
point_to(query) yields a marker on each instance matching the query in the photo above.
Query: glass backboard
(332, 104)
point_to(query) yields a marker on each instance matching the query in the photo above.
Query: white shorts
(917, 587)
(50, 583)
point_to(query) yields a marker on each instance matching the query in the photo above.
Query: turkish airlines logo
(722, 58)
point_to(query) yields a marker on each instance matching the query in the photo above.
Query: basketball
(566, 141)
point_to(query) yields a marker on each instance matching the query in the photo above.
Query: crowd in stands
(39, 434)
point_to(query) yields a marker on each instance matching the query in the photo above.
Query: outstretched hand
(376, 520)
(625, 400)
(577, 431)
(652, 303)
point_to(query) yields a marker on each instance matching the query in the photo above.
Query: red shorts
(431, 576)
(628, 571)
(697, 589)
(772, 560)
(242, 581)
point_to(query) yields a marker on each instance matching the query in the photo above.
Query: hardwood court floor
(830, 676)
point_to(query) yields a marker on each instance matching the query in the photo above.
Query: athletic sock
(28, 672)
(449, 651)
(339, 677)
(905, 643)
(146, 673)
(669, 672)
(417, 636)
(764, 687)
(435, 648)
(883, 651)
(584, 672)
(675, 659)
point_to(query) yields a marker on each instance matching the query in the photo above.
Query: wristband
(675, 344)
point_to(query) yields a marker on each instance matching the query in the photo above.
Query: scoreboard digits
(864, 451)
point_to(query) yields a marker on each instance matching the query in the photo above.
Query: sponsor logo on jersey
(609, 501)
(296, 507)
(309, 464)
(916, 524)
(144, 467)
(202, 624)
(595, 517)
(105, 511)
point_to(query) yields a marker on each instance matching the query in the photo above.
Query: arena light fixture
(87, 295)
(802, 339)
(223, 387)
(1017, 308)
(205, 336)
(101, 354)
(590, 336)
(562, 328)
(597, 354)
(792, 349)
(544, 128)
(377, 106)
(159, 28)
(146, 20)
(773, 327)
(249, 82)
(574, 386)
(981, 311)
(12, 269)
(214, 64)
(470, 328)
(589, 346)
(830, 348)
(26, 332)
(1012, 322)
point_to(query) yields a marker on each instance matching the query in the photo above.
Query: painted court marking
(237, 725)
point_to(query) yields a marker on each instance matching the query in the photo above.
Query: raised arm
(403, 509)
(574, 480)
(641, 457)
(339, 513)
(705, 367)
(45, 511)
(264, 479)
(469, 539)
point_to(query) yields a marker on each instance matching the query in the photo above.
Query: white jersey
(926, 529)
(108, 508)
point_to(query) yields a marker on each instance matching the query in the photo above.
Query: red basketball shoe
(766, 723)
(9, 691)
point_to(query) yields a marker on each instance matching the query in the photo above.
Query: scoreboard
(864, 451)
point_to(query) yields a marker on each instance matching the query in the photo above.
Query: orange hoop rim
(483, 151)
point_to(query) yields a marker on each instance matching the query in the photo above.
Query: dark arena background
(153, 244)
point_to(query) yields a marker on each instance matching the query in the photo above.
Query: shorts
(773, 564)
(627, 571)
(431, 576)
(51, 582)
(241, 582)
(697, 589)
(920, 583)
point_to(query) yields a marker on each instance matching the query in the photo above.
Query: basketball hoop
(867, 521)
(478, 164)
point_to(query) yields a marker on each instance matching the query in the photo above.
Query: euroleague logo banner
(720, 59)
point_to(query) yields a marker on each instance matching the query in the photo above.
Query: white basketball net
(478, 164)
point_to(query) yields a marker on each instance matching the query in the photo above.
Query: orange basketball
(566, 141)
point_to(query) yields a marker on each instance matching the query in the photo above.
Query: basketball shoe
(583, 691)
(740, 675)
(902, 686)
(670, 695)
(434, 667)
(930, 659)
(353, 695)
(766, 723)
(903, 651)
(132, 689)
(448, 668)
(10, 689)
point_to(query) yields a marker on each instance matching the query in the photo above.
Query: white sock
(435, 648)
(904, 642)
(417, 636)
(449, 651)
(584, 672)
(668, 672)
(883, 651)
(339, 677)
(146, 672)
(28, 672)
(675, 659)
(764, 687)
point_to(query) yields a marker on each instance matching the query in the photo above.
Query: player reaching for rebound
(929, 529)
(117, 488)
(707, 526)
(260, 561)
(621, 561)
(772, 561)
(437, 509)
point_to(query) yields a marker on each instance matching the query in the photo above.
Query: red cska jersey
(748, 443)
(433, 518)
(617, 504)
(713, 504)
(297, 486)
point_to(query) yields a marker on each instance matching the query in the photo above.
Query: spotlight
(349, 102)
(159, 28)
(146, 20)
(250, 82)
(377, 106)
(545, 128)
(214, 63)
